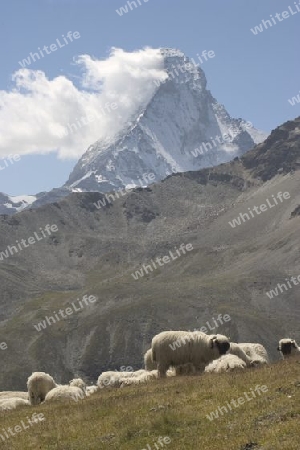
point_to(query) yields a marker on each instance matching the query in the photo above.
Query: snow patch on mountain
(12, 204)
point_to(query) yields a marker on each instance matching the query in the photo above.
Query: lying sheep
(256, 352)
(236, 350)
(13, 394)
(39, 384)
(12, 403)
(65, 392)
(91, 390)
(195, 347)
(252, 354)
(114, 379)
(255, 348)
(226, 363)
(140, 379)
(288, 348)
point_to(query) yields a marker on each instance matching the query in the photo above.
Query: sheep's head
(221, 343)
(78, 382)
(287, 347)
(38, 385)
(257, 362)
(36, 398)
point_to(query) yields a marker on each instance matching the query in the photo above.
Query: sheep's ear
(278, 349)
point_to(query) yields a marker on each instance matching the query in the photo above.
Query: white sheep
(91, 390)
(140, 379)
(39, 384)
(288, 348)
(256, 352)
(225, 363)
(13, 394)
(108, 379)
(191, 347)
(252, 354)
(236, 350)
(12, 403)
(65, 392)
(114, 379)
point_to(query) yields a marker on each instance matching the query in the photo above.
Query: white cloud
(36, 115)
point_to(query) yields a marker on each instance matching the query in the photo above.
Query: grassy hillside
(175, 408)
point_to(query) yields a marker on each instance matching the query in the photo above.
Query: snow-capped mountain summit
(182, 128)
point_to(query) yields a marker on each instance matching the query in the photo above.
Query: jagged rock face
(182, 116)
(278, 154)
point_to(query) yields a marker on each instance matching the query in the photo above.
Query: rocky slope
(98, 246)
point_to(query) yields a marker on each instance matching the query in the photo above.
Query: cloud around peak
(39, 115)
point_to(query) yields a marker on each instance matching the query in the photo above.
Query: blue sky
(253, 76)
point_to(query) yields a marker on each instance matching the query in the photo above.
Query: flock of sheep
(172, 353)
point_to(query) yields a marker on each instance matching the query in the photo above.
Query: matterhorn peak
(181, 128)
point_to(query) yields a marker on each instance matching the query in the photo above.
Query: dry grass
(133, 417)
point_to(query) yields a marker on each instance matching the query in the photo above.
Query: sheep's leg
(162, 370)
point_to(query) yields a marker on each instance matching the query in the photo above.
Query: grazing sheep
(114, 379)
(65, 392)
(225, 363)
(13, 394)
(288, 348)
(12, 403)
(148, 361)
(39, 384)
(174, 348)
(91, 390)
